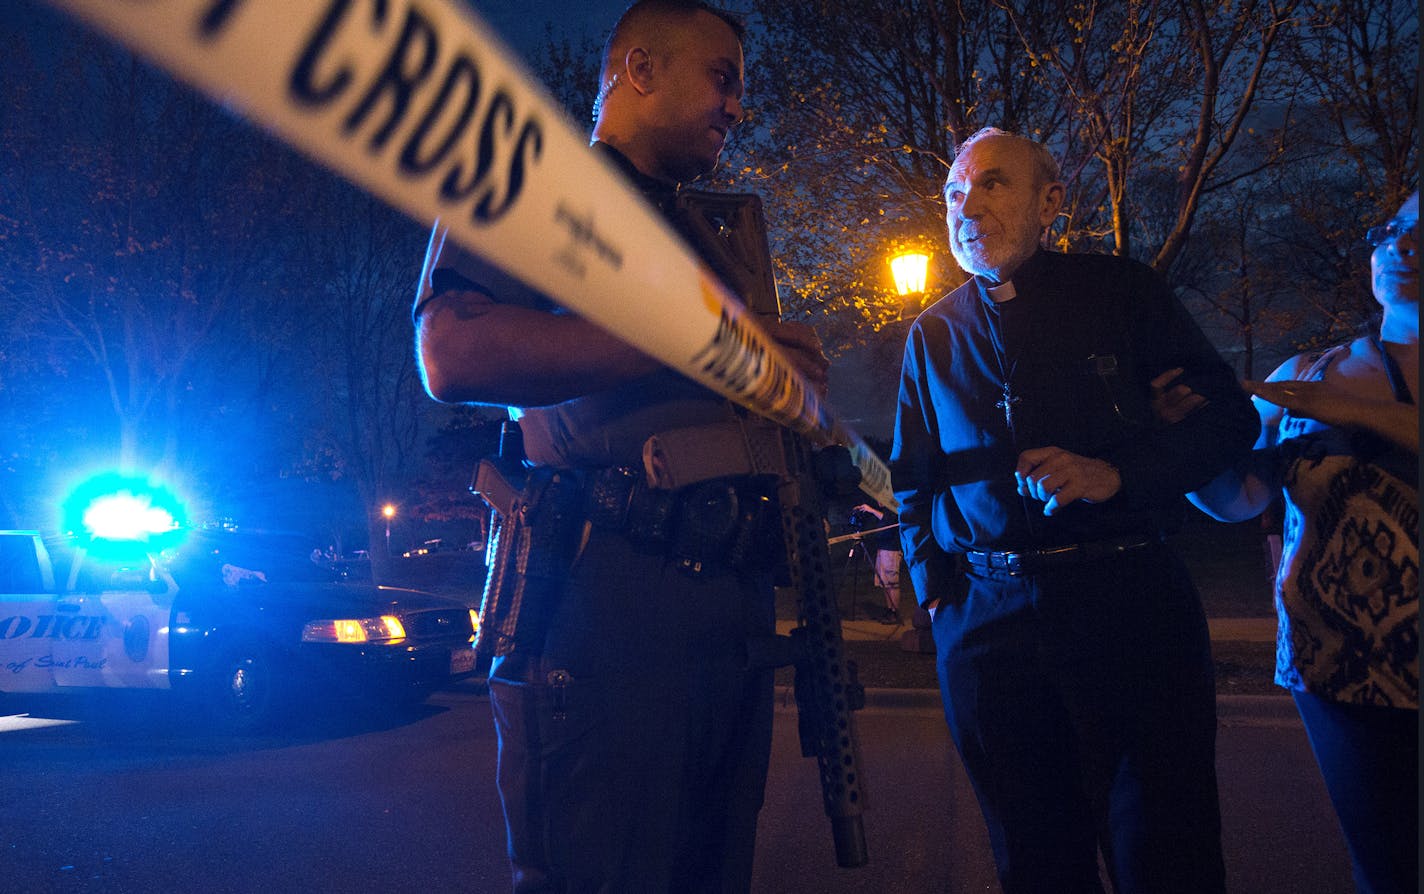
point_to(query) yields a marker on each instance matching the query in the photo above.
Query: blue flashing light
(126, 516)
(124, 513)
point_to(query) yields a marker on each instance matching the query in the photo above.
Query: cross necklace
(994, 322)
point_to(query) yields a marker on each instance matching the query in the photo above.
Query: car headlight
(385, 629)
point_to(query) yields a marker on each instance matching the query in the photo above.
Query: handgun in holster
(532, 522)
(501, 484)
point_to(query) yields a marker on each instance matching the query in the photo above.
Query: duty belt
(1033, 561)
(714, 526)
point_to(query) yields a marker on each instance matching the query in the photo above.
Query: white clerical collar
(1002, 292)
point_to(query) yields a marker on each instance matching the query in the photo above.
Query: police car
(225, 618)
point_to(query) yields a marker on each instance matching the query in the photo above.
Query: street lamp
(389, 511)
(910, 268)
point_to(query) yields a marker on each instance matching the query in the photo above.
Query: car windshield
(20, 565)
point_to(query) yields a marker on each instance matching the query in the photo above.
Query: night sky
(521, 22)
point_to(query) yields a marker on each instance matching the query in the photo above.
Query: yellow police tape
(419, 103)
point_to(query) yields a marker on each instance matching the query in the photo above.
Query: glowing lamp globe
(910, 269)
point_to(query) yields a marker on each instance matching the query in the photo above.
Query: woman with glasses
(1340, 443)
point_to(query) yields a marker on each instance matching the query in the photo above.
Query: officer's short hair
(645, 14)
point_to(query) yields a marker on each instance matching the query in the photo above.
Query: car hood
(331, 600)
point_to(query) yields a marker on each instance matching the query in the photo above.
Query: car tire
(247, 694)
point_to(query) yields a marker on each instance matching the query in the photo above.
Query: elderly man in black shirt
(1075, 665)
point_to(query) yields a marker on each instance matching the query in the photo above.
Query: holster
(530, 532)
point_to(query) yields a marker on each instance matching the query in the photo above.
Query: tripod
(851, 569)
(857, 545)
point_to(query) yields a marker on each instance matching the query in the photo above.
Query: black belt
(1032, 561)
(714, 526)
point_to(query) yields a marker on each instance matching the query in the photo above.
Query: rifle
(732, 230)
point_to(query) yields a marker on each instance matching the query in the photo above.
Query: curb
(1275, 707)
(1238, 630)
(1242, 630)
(875, 697)
(918, 699)
(1278, 707)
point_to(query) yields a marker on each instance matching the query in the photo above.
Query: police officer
(633, 743)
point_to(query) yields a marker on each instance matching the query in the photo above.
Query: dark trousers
(1369, 757)
(633, 751)
(1082, 703)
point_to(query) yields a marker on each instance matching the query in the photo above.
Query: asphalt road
(134, 800)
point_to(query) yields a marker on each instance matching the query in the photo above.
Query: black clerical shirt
(1065, 363)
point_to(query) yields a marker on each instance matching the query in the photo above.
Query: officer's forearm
(514, 356)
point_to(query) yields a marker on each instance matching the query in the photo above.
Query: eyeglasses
(1383, 233)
